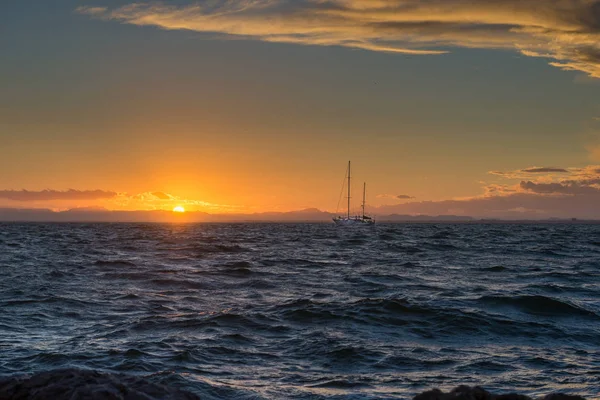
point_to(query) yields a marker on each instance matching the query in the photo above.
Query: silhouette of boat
(355, 219)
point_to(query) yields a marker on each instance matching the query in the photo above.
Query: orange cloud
(61, 200)
(550, 180)
(165, 201)
(544, 192)
(48, 195)
(567, 32)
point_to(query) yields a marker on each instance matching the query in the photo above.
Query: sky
(485, 108)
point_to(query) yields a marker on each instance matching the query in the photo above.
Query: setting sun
(179, 209)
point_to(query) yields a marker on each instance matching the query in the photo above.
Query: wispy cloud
(395, 196)
(526, 173)
(538, 170)
(567, 32)
(47, 195)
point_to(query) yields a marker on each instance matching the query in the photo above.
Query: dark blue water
(279, 311)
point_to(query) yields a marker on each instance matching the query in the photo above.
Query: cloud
(498, 190)
(567, 32)
(537, 170)
(164, 201)
(547, 192)
(46, 195)
(92, 10)
(565, 187)
(109, 199)
(549, 180)
(528, 172)
(395, 196)
(162, 196)
(514, 205)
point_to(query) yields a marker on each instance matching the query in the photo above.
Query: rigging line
(341, 192)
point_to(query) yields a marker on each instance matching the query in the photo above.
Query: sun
(179, 209)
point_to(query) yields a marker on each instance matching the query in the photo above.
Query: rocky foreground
(477, 393)
(73, 384)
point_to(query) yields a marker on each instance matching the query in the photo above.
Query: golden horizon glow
(179, 209)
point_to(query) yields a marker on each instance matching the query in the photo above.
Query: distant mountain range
(307, 215)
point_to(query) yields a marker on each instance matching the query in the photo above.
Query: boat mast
(364, 198)
(348, 189)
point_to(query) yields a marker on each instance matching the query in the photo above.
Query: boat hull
(358, 221)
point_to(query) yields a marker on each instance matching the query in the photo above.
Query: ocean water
(307, 311)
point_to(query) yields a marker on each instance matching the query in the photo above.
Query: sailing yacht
(355, 219)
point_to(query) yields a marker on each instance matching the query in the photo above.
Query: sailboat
(356, 219)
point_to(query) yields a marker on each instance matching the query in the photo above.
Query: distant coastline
(86, 215)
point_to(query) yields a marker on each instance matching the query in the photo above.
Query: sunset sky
(481, 108)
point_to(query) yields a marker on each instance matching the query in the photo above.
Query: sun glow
(179, 209)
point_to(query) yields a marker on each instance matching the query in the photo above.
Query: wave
(115, 263)
(200, 250)
(56, 274)
(387, 237)
(48, 300)
(390, 312)
(411, 363)
(128, 276)
(539, 305)
(496, 268)
(393, 305)
(443, 235)
(236, 269)
(180, 283)
(128, 296)
(404, 249)
(348, 356)
(341, 384)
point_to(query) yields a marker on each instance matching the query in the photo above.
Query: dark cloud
(567, 187)
(584, 182)
(543, 170)
(44, 195)
(522, 173)
(395, 196)
(516, 205)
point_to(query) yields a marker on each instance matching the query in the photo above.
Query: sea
(307, 311)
